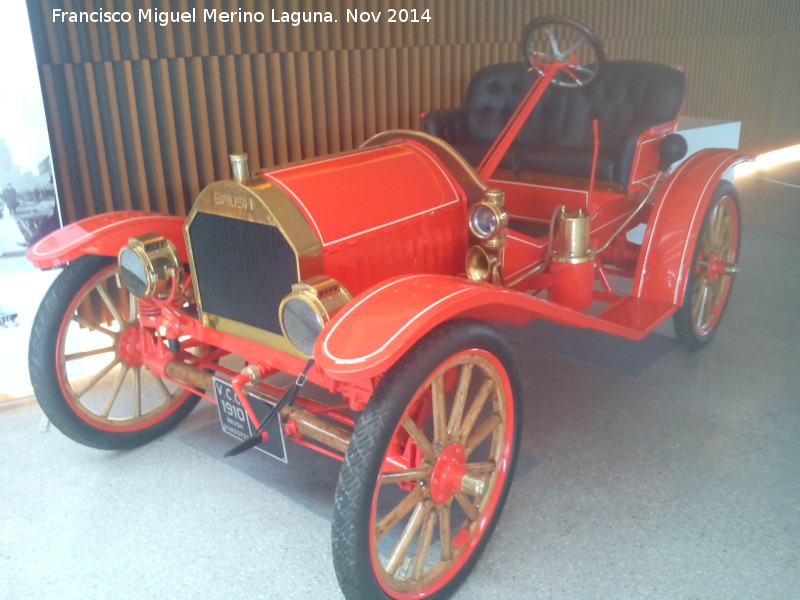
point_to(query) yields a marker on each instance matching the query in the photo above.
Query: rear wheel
(708, 286)
(429, 467)
(85, 362)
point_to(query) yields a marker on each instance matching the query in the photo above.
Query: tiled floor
(678, 480)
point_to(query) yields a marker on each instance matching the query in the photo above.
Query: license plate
(234, 421)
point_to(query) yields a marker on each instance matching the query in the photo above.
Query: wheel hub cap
(448, 473)
(130, 346)
(719, 267)
(716, 266)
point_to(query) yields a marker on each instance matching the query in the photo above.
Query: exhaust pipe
(307, 425)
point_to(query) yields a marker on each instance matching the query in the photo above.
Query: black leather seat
(628, 99)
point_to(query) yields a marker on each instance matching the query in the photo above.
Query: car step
(637, 314)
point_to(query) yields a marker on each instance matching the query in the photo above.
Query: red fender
(374, 330)
(675, 222)
(104, 235)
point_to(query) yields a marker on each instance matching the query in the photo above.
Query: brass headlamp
(487, 221)
(306, 310)
(149, 265)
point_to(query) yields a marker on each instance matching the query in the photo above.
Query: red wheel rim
(443, 476)
(105, 384)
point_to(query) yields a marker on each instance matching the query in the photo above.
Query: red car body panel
(372, 184)
(373, 220)
(374, 330)
(647, 156)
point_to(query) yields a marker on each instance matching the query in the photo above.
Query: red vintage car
(373, 277)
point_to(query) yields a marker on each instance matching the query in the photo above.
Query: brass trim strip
(248, 332)
(463, 172)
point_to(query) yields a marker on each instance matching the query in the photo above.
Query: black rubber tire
(364, 457)
(43, 358)
(684, 320)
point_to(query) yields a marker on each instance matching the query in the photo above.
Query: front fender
(379, 326)
(376, 328)
(675, 222)
(104, 235)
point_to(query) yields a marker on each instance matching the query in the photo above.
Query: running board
(637, 315)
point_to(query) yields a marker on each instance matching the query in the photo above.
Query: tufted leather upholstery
(630, 98)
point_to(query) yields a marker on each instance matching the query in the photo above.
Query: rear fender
(675, 222)
(104, 235)
(379, 326)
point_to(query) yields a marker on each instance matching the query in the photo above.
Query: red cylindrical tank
(572, 284)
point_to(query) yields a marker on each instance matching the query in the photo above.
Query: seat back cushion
(494, 92)
(631, 96)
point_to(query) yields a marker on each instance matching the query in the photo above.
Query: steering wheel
(568, 45)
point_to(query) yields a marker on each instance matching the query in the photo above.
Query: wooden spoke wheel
(429, 467)
(709, 284)
(86, 362)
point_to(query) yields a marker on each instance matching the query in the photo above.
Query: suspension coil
(148, 309)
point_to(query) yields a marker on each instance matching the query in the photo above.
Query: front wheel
(429, 467)
(85, 362)
(709, 283)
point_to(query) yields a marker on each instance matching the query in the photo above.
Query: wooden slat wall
(143, 116)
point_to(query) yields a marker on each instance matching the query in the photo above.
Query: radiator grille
(242, 270)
